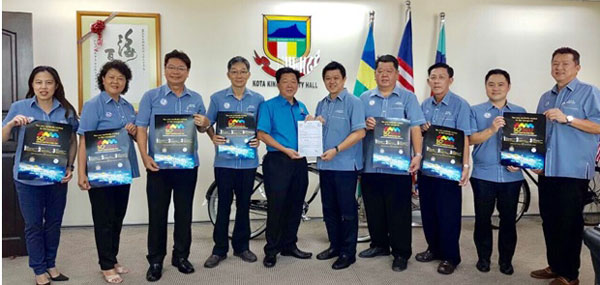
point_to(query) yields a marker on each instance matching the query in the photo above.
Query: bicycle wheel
(522, 206)
(258, 208)
(363, 228)
(591, 210)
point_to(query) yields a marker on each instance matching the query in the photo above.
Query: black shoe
(446, 267)
(213, 260)
(399, 264)
(425, 256)
(246, 255)
(154, 272)
(507, 268)
(328, 254)
(374, 251)
(344, 261)
(297, 253)
(60, 277)
(183, 265)
(483, 265)
(269, 261)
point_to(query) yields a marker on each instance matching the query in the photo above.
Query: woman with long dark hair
(42, 203)
(108, 110)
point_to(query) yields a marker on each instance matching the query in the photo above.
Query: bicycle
(258, 206)
(591, 210)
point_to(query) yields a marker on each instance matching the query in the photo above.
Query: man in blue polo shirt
(572, 110)
(285, 171)
(441, 199)
(387, 192)
(233, 176)
(343, 119)
(494, 184)
(171, 98)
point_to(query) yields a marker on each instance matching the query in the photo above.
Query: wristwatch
(466, 166)
(570, 119)
(337, 149)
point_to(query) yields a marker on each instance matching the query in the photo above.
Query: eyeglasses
(236, 72)
(178, 68)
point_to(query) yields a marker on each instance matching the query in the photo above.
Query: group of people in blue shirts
(571, 107)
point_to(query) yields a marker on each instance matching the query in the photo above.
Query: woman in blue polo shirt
(42, 203)
(108, 110)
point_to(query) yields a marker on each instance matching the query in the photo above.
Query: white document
(310, 138)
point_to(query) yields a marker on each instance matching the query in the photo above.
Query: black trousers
(561, 208)
(489, 195)
(109, 205)
(387, 199)
(240, 182)
(591, 238)
(160, 184)
(340, 210)
(286, 181)
(441, 202)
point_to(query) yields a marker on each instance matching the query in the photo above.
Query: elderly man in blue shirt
(387, 192)
(572, 110)
(171, 98)
(494, 184)
(441, 199)
(233, 175)
(343, 119)
(285, 171)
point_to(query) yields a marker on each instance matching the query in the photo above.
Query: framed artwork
(131, 37)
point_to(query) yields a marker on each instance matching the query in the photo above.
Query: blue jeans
(42, 208)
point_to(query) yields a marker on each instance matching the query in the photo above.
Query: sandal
(121, 269)
(45, 283)
(113, 278)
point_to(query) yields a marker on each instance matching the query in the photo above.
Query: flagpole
(407, 16)
(371, 17)
(442, 18)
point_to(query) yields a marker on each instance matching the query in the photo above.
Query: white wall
(517, 35)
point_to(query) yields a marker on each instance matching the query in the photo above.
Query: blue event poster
(108, 157)
(239, 129)
(443, 152)
(45, 151)
(524, 140)
(175, 141)
(391, 148)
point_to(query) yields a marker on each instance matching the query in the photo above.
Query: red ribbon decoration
(265, 62)
(97, 28)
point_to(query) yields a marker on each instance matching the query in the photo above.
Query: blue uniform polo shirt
(29, 108)
(486, 155)
(163, 101)
(452, 112)
(278, 118)
(343, 115)
(399, 104)
(103, 113)
(225, 101)
(571, 152)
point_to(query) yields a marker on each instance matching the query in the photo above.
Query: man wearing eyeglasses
(171, 98)
(233, 176)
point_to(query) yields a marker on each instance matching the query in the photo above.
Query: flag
(405, 59)
(440, 54)
(365, 79)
